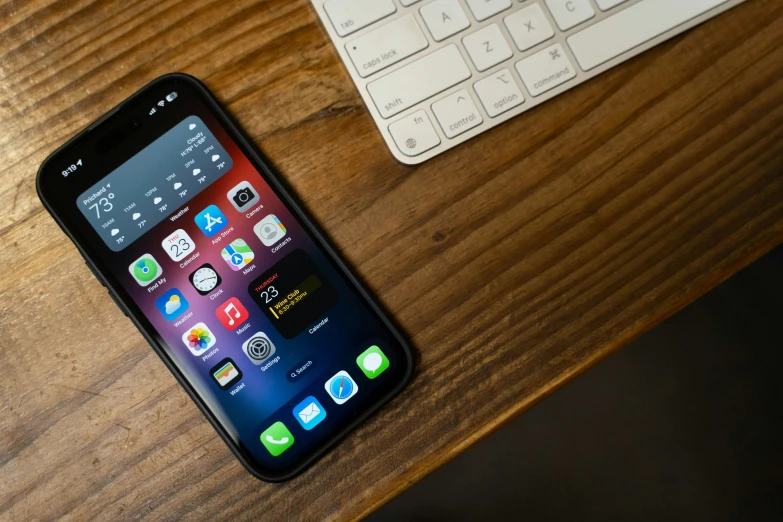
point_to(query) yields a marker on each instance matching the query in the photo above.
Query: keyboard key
(457, 113)
(402, 70)
(483, 9)
(419, 80)
(487, 47)
(499, 93)
(529, 27)
(386, 45)
(414, 134)
(444, 18)
(605, 5)
(570, 13)
(348, 16)
(546, 70)
(632, 27)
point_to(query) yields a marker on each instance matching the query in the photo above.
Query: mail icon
(309, 413)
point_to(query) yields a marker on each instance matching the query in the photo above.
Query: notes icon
(231, 313)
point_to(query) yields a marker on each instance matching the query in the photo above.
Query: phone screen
(225, 276)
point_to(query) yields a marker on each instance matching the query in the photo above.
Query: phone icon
(276, 439)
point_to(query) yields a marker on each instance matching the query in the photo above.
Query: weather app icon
(211, 220)
(172, 304)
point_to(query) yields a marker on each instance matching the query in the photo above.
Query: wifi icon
(161, 103)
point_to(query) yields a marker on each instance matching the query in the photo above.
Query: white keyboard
(435, 73)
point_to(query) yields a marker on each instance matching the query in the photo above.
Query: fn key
(414, 134)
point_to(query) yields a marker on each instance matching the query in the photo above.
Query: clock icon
(205, 279)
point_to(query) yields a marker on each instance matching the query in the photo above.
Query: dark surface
(683, 424)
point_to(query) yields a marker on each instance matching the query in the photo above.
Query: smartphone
(203, 248)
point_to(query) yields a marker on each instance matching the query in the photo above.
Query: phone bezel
(141, 322)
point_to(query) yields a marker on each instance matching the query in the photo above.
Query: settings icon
(258, 348)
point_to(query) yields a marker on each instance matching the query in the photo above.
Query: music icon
(232, 314)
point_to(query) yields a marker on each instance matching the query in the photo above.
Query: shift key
(386, 45)
(418, 81)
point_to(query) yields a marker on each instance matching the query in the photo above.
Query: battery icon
(171, 97)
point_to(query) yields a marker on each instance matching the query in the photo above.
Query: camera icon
(243, 196)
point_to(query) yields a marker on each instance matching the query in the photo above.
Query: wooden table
(513, 262)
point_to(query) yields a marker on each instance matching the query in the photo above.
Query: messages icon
(372, 362)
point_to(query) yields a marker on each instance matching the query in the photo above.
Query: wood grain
(513, 262)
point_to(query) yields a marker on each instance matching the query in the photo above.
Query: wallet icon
(309, 413)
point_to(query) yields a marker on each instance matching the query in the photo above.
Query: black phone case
(272, 177)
